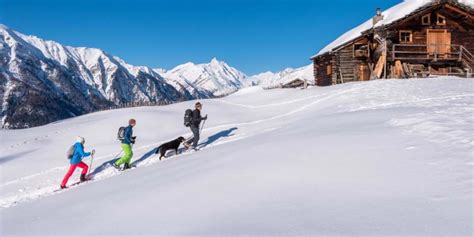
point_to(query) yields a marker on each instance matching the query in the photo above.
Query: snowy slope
(216, 77)
(270, 79)
(390, 15)
(385, 157)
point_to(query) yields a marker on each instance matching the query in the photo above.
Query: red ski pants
(81, 165)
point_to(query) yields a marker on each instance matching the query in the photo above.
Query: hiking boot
(63, 186)
(126, 166)
(116, 166)
(83, 178)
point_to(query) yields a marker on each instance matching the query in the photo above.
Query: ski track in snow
(109, 172)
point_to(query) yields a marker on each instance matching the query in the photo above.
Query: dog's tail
(158, 150)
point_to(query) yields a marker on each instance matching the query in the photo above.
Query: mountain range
(42, 81)
(270, 79)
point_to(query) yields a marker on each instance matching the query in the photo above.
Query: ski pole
(90, 166)
(115, 157)
(202, 127)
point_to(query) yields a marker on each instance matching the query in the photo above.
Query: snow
(385, 157)
(248, 91)
(390, 15)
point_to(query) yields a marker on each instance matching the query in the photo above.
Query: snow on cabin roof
(390, 15)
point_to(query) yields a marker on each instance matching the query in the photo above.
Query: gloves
(93, 152)
(133, 140)
(205, 118)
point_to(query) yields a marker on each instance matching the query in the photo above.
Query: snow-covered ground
(386, 157)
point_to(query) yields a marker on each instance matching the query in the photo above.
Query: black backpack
(188, 117)
(121, 133)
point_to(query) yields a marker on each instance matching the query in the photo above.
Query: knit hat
(80, 139)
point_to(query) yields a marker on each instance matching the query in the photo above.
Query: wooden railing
(467, 58)
(429, 52)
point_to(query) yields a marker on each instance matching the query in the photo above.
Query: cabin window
(440, 20)
(360, 50)
(406, 36)
(426, 20)
(329, 69)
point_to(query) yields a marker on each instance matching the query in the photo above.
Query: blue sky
(251, 35)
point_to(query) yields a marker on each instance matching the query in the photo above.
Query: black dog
(172, 145)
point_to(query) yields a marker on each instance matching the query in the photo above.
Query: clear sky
(251, 35)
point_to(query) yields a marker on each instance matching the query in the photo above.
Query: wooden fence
(151, 103)
(136, 104)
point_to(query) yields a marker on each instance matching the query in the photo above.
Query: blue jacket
(127, 136)
(78, 154)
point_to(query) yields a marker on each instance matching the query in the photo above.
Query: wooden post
(385, 65)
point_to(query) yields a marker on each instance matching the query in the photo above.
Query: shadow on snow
(211, 139)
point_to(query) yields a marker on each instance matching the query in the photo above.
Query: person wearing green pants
(127, 141)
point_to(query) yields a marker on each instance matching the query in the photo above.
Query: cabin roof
(289, 82)
(390, 15)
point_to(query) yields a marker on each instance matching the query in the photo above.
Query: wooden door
(363, 72)
(438, 42)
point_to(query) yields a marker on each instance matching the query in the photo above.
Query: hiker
(194, 126)
(127, 140)
(76, 161)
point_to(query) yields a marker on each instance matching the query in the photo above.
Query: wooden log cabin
(412, 39)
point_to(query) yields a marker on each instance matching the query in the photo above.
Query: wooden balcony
(430, 53)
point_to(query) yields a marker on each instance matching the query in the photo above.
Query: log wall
(323, 76)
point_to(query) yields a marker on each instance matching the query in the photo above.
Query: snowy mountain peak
(216, 62)
(217, 77)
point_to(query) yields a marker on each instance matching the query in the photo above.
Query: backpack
(121, 133)
(188, 118)
(70, 152)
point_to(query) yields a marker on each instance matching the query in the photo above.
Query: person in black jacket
(197, 118)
